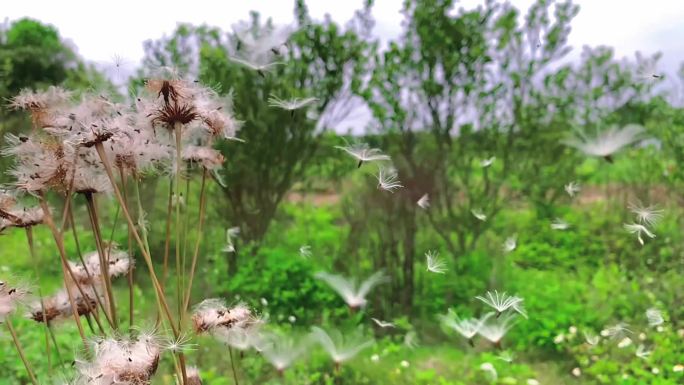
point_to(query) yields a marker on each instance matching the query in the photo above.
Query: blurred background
(472, 100)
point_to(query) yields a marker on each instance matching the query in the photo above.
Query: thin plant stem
(167, 241)
(69, 194)
(32, 253)
(200, 227)
(104, 258)
(179, 277)
(232, 364)
(184, 231)
(17, 344)
(57, 235)
(89, 276)
(70, 213)
(146, 256)
(129, 275)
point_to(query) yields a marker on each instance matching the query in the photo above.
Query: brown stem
(179, 271)
(129, 275)
(65, 268)
(104, 258)
(232, 364)
(70, 214)
(146, 256)
(17, 344)
(167, 242)
(195, 255)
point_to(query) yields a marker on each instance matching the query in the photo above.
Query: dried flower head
(121, 361)
(11, 295)
(58, 307)
(212, 315)
(40, 104)
(117, 263)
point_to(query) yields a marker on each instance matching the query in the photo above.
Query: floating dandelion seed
(282, 351)
(388, 179)
(510, 244)
(231, 234)
(572, 188)
(494, 329)
(212, 315)
(354, 295)
(616, 331)
(635, 228)
(591, 338)
(647, 216)
(291, 104)
(424, 202)
(305, 251)
(506, 356)
(487, 162)
(341, 348)
(655, 317)
(502, 302)
(383, 324)
(608, 142)
(260, 67)
(559, 224)
(625, 342)
(193, 376)
(641, 352)
(467, 327)
(121, 361)
(479, 214)
(363, 153)
(434, 263)
(411, 339)
(488, 368)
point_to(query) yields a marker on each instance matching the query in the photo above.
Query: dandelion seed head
(434, 263)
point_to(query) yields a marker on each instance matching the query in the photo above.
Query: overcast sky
(101, 30)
